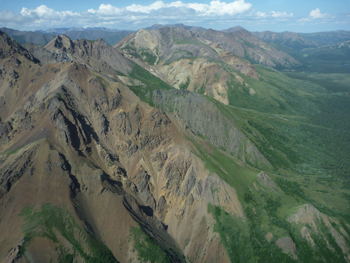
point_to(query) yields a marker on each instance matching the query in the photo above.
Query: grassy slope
(148, 250)
(304, 122)
(151, 82)
(319, 60)
(51, 222)
(266, 211)
(310, 140)
(302, 129)
(299, 126)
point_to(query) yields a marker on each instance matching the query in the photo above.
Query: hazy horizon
(253, 15)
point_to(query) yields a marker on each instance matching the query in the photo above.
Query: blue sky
(254, 15)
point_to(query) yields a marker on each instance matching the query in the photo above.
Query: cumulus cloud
(317, 14)
(160, 8)
(108, 14)
(44, 13)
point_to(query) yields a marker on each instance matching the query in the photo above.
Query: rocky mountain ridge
(182, 59)
(85, 125)
(244, 44)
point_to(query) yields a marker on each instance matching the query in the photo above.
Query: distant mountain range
(41, 38)
(23, 37)
(293, 40)
(297, 41)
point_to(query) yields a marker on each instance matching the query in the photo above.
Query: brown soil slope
(71, 137)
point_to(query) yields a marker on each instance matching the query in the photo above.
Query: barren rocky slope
(244, 44)
(96, 55)
(82, 139)
(94, 143)
(92, 173)
(208, 62)
(182, 59)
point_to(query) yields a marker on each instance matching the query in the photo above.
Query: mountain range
(113, 36)
(174, 144)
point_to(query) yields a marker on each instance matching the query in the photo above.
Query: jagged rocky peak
(9, 47)
(5, 38)
(45, 56)
(62, 42)
(97, 55)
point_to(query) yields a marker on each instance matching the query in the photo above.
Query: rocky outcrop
(266, 181)
(309, 215)
(12, 169)
(288, 246)
(318, 222)
(96, 55)
(201, 116)
(8, 47)
(45, 56)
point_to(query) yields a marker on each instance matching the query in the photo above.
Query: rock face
(10, 47)
(45, 56)
(314, 221)
(202, 117)
(96, 55)
(287, 245)
(79, 139)
(265, 180)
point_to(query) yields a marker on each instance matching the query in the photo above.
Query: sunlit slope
(197, 61)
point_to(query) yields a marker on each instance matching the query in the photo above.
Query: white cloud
(43, 12)
(274, 14)
(221, 8)
(107, 14)
(217, 12)
(159, 7)
(317, 14)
